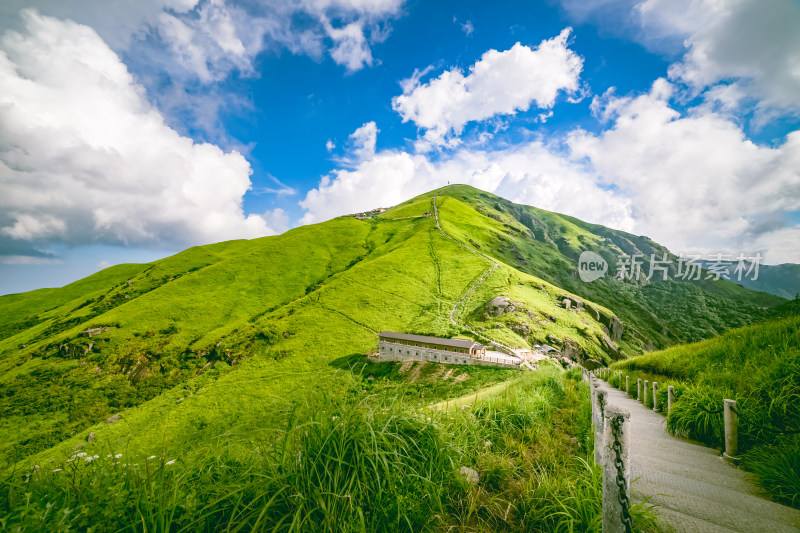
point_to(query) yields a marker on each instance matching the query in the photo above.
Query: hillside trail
(472, 289)
(695, 490)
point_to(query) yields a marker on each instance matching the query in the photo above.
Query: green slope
(547, 245)
(227, 335)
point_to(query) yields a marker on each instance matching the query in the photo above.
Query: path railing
(612, 451)
(646, 388)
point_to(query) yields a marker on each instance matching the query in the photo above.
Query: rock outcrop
(500, 304)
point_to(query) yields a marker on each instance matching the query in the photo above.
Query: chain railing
(611, 452)
(616, 423)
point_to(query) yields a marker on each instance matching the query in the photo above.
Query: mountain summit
(217, 328)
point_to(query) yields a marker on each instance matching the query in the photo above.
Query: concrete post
(616, 470)
(646, 386)
(599, 406)
(731, 418)
(655, 398)
(627, 384)
(639, 389)
(670, 398)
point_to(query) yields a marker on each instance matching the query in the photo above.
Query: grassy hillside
(759, 367)
(220, 339)
(220, 334)
(547, 245)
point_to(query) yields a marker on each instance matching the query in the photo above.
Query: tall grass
(345, 466)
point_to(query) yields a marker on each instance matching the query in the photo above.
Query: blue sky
(133, 130)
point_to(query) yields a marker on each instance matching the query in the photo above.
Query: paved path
(695, 489)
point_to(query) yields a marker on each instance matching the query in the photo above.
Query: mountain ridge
(194, 332)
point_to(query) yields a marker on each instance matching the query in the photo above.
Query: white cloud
(363, 141)
(330, 145)
(500, 83)
(711, 188)
(750, 40)
(85, 159)
(755, 43)
(693, 180)
(209, 39)
(350, 46)
(530, 173)
(28, 260)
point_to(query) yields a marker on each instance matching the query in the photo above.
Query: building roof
(458, 343)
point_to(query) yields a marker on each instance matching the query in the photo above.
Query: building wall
(395, 351)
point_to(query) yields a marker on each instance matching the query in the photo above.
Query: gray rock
(79, 446)
(470, 474)
(615, 328)
(114, 418)
(91, 437)
(522, 330)
(497, 305)
(571, 301)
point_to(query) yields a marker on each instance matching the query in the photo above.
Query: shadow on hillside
(360, 366)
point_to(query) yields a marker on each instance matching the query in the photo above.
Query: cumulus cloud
(530, 173)
(711, 189)
(500, 83)
(710, 186)
(209, 39)
(755, 44)
(363, 140)
(85, 159)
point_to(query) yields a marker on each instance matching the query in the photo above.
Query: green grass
(360, 463)
(219, 334)
(201, 351)
(759, 367)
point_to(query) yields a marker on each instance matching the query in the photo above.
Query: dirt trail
(472, 289)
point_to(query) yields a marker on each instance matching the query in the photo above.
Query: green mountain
(780, 280)
(229, 334)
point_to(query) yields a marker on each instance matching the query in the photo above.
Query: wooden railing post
(646, 386)
(627, 384)
(731, 418)
(616, 471)
(670, 398)
(639, 389)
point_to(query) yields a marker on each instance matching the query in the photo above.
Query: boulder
(572, 350)
(615, 328)
(91, 437)
(497, 305)
(609, 345)
(501, 304)
(571, 301)
(79, 446)
(594, 313)
(470, 474)
(114, 418)
(523, 329)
